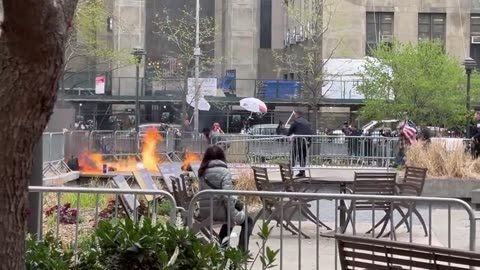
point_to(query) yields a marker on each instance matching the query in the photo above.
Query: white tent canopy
(342, 77)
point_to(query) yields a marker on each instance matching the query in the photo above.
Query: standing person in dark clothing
(354, 142)
(475, 143)
(425, 135)
(300, 127)
(280, 128)
(347, 129)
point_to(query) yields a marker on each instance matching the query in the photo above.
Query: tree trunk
(31, 58)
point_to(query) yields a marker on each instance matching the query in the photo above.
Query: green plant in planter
(164, 207)
(47, 254)
(125, 245)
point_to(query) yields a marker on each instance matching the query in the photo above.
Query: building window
(379, 29)
(431, 26)
(475, 24)
(266, 24)
(475, 38)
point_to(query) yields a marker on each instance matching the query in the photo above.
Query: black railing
(84, 84)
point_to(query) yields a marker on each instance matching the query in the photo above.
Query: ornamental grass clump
(444, 160)
(246, 181)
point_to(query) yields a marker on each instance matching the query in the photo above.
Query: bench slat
(368, 253)
(406, 262)
(411, 252)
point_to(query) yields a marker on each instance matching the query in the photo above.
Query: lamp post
(197, 53)
(138, 54)
(470, 65)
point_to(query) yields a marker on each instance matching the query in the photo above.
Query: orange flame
(189, 158)
(93, 162)
(150, 156)
(90, 162)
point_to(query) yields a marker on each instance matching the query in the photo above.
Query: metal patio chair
(272, 207)
(412, 185)
(383, 184)
(291, 185)
(183, 194)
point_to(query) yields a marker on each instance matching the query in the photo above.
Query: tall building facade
(356, 26)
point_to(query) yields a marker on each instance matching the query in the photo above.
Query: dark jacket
(300, 127)
(476, 133)
(220, 177)
(425, 135)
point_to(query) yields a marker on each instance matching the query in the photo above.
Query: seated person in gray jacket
(214, 174)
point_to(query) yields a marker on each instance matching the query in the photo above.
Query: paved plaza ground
(322, 250)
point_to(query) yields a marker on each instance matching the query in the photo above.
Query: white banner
(208, 86)
(100, 85)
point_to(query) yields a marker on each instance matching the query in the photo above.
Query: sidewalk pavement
(320, 252)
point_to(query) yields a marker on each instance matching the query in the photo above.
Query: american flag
(409, 130)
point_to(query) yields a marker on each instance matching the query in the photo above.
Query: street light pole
(470, 65)
(138, 53)
(137, 102)
(197, 52)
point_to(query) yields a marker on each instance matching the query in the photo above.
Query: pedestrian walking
(301, 128)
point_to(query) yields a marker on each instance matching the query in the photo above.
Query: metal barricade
(57, 146)
(125, 143)
(46, 142)
(310, 151)
(102, 141)
(76, 142)
(167, 143)
(89, 206)
(351, 151)
(187, 141)
(301, 236)
(254, 149)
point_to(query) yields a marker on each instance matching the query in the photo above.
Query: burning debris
(189, 158)
(94, 163)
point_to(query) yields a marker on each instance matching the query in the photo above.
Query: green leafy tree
(420, 82)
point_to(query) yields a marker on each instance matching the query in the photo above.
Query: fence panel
(310, 151)
(186, 141)
(352, 151)
(46, 142)
(302, 151)
(92, 205)
(57, 146)
(125, 142)
(76, 142)
(102, 141)
(307, 222)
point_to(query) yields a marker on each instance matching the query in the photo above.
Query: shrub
(68, 215)
(125, 245)
(48, 254)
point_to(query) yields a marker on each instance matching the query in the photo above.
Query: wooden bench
(369, 253)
